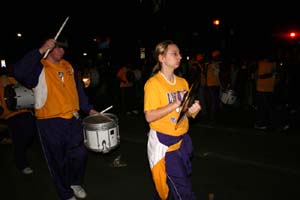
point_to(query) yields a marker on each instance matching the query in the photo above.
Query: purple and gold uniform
(169, 148)
(63, 101)
(58, 97)
(158, 93)
(21, 124)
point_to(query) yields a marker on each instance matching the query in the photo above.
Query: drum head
(101, 121)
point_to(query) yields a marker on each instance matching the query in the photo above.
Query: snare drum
(18, 97)
(101, 132)
(228, 97)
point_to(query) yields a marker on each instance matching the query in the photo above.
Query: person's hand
(93, 112)
(195, 108)
(179, 99)
(49, 44)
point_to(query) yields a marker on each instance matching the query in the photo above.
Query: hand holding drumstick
(94, 112)
(56, 36)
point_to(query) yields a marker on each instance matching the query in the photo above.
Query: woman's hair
(161, 48)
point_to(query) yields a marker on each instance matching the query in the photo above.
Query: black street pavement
(233, 161)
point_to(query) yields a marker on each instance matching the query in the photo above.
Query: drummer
(59, 96)
(20, 123)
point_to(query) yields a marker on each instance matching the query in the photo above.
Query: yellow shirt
(56, 94)
(159, 93)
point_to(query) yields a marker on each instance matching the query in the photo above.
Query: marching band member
(21, 124)
(169, 148)
(59, 96)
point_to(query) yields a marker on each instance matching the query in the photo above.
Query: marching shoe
(117, 162)
(27, 171)
(263, 128)
(78, 191)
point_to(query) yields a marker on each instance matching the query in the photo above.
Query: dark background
(246, 27)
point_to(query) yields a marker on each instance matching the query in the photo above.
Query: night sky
(130, 24)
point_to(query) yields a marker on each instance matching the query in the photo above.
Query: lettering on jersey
(173, 119)
(172, 97)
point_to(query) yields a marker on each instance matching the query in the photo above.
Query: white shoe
(285, 127)
(135, 112)
(78, 191)
(27, 170)
(260, 127)
(72, 198)
(117, 162)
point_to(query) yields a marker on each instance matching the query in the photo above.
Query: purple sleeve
(27, 70)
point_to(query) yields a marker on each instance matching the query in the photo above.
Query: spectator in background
(126, 77)
(213, 85)
(197, 73)
(265, 83)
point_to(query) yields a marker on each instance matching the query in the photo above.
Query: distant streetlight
(216, 22)
(19, 35)
(292, 35)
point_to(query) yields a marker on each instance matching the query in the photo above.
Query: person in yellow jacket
(169, 144)
(265, 83)
(20, 122)
(59, 96)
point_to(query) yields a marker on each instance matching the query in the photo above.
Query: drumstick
(106, 109)
(57, 34)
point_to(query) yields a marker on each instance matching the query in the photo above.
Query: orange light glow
(216, 22)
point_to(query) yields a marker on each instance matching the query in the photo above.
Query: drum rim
(95, 126)
(109, 115)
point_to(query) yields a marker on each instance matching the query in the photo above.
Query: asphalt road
(232, 162)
